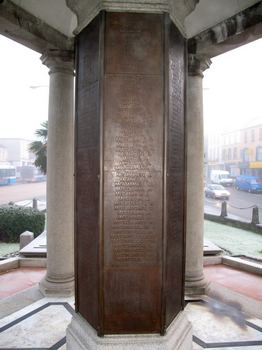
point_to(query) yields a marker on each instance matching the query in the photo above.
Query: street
(239, 204)
(20, 192)
(238, 199)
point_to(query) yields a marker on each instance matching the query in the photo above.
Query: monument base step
(81, 336)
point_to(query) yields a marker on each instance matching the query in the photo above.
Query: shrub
(14, 220)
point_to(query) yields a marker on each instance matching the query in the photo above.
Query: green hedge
(14, 220)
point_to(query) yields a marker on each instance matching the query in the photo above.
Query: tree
(39, 148)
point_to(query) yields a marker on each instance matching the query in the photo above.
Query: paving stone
(214, 326)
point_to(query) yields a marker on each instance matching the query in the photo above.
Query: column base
(81, 336)
(195, 286)
(57, 288)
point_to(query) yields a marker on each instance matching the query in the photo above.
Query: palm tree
(39, 148)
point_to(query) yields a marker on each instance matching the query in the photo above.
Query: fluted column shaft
(195, 281)
(59, 279)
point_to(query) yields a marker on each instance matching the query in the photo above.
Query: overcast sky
(22, 107)
(232, 89)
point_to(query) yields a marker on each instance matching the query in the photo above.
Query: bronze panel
(130, 173)
(87, 171)
(134, 43)
(133, 175)
(175, 163)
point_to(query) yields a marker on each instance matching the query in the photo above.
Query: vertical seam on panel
(101, 182)
(165, 146)
(75, 178)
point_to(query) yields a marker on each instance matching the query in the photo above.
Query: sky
(232, 90)
(232, 94)
(22, 108)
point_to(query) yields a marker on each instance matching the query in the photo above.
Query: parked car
(249, 183)
(221, 177)
(217, 191)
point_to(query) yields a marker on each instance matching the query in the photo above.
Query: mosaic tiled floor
(42, 326)
(221, 326)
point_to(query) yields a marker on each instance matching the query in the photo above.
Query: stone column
(195, 281)
(59, 279)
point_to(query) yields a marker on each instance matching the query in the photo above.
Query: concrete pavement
(20, 192)
(239, 205)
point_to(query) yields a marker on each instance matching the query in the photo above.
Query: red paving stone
(239, 281)
(242, 282)
(16, 280)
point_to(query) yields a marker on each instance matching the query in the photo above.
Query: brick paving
(17, 280)
(239, 281)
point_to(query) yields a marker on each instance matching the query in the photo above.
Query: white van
(221, 177)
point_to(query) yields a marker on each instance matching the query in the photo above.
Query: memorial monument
(130, 157)
(130, 183)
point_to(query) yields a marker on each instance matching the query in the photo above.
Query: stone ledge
(81, 336)
(236, 262)
(32, 262)
(14, 263)
(19, 300)
(9, 264)
(211, 249)
(212, 260)
(242, 265)
(36, 248)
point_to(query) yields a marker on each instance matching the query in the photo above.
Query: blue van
(248, 183)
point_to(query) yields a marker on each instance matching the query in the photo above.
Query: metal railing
(255, 211)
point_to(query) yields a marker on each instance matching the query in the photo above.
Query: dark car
(217, 191)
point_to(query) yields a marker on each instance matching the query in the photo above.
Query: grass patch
(7, 248)
(234, 240)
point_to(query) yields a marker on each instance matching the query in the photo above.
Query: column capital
(198, 64)
(61, 61)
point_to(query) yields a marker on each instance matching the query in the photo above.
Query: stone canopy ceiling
(206, 13)
(212, 26)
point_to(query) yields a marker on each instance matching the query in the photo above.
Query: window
(245, 138)
(259, 154)
(229, 157)
(224, 154)
(235, 153)
(252, 135)
(239, 137)
(7, 172)
(245, 155)
(260, 134)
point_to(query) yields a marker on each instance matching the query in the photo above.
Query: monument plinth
(130, 174)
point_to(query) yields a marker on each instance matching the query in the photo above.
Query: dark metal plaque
(133, 44)
(130, 173)
(133, 175)
(87, 171)
(175, 181)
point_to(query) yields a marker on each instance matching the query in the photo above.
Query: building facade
(16, 152)
(238, 151)
(3, 154)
